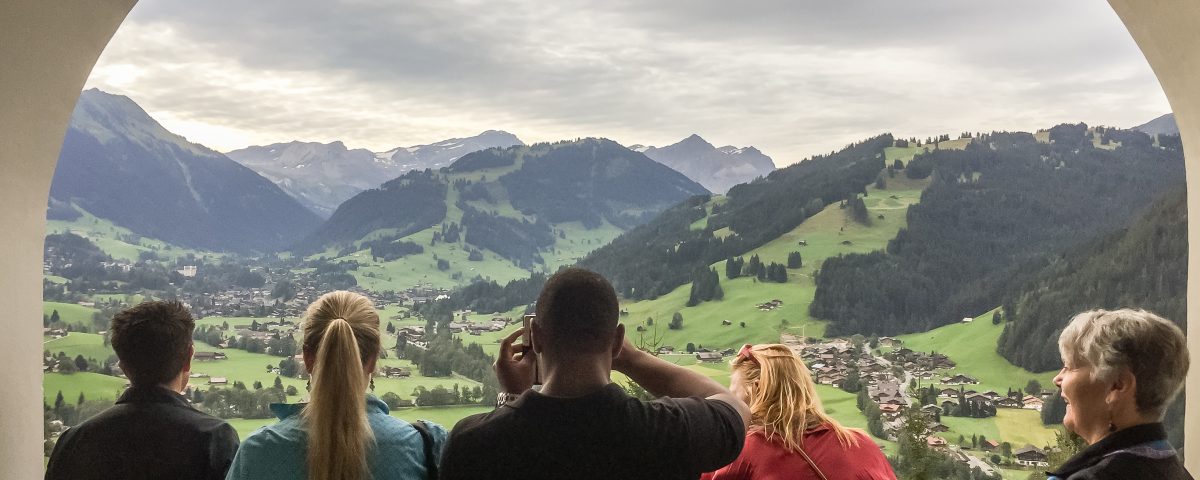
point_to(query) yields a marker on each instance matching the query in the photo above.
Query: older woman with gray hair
(1121, 369)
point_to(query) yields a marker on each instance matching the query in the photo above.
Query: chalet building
(1031, 456)
(887, 393)
(708, 356)
(979, 399)
(1033, 403)
(931, 410)
(395, 372)
(960, 379)
(948, 392)
(935, 441)
(208, 356)
(1008, 402)
(218, 381)
(890, 342)
(989, 445)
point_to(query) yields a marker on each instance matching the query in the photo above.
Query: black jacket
(1135, 452)
(151, 433)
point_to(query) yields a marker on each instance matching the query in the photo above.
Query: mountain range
(1163, 125)
(323, 175)
(515, 202)
(120, 164)
(718, 169)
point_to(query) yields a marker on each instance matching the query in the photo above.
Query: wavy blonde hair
(783, 398)
(341, 329)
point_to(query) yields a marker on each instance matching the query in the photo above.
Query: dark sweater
(1141, 451)
(151, 433)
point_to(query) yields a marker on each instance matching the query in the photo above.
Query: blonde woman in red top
(790, 436)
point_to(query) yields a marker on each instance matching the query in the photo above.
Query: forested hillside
(1142, 266)
(120, 164)
(410, 203)
(497, 214)
(655, 258)
(995, 213)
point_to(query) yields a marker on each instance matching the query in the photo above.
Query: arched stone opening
(47, 50)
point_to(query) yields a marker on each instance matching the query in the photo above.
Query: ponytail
(338, 433)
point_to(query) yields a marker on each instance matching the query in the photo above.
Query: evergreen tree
(677, 324)
(794, 260)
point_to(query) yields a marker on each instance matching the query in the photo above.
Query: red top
(763, 460)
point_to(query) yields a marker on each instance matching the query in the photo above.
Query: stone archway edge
(1166, 32)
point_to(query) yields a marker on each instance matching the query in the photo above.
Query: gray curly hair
(1153, 348)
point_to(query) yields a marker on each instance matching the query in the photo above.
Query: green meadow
(826, 234)
(94, 386)
(71, 313)
(972, 346)
(119, 242)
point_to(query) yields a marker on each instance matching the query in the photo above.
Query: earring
(372, 384)
(308, 386)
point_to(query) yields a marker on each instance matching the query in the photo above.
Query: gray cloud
(793, 78)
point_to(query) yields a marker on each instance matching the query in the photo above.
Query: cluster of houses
(918, 364)
(832, 362)
(462, 324)
(426, 293)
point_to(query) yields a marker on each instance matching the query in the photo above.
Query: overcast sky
(791, 77)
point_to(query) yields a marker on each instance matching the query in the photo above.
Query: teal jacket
(276, 452)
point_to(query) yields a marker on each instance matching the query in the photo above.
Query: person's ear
(618, 340)
(536, 336)
(187, 362)
(1124, 386)
(371, 364)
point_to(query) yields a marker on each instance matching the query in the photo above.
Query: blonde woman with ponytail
(790, 435)
(343, 432)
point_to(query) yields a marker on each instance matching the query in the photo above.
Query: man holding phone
(581, 425)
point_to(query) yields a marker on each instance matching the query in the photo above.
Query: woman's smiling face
(1088, 414)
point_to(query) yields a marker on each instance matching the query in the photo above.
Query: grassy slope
(93, 385)
(70, 313)
(973, 347)
(422, 268)
(108, 237)
(824, 234)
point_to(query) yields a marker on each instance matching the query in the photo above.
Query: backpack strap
(431, 465)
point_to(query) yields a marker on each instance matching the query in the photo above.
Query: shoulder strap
(813, 464)
(427, 439)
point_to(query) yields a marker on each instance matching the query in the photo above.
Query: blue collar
(285, 410)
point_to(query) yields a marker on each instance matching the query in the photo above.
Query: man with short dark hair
(152, 431)
(581, 425)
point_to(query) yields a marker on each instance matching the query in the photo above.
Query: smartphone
(527, 347)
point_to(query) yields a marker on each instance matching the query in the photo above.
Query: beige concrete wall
(1168, 32)
(47, 50)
